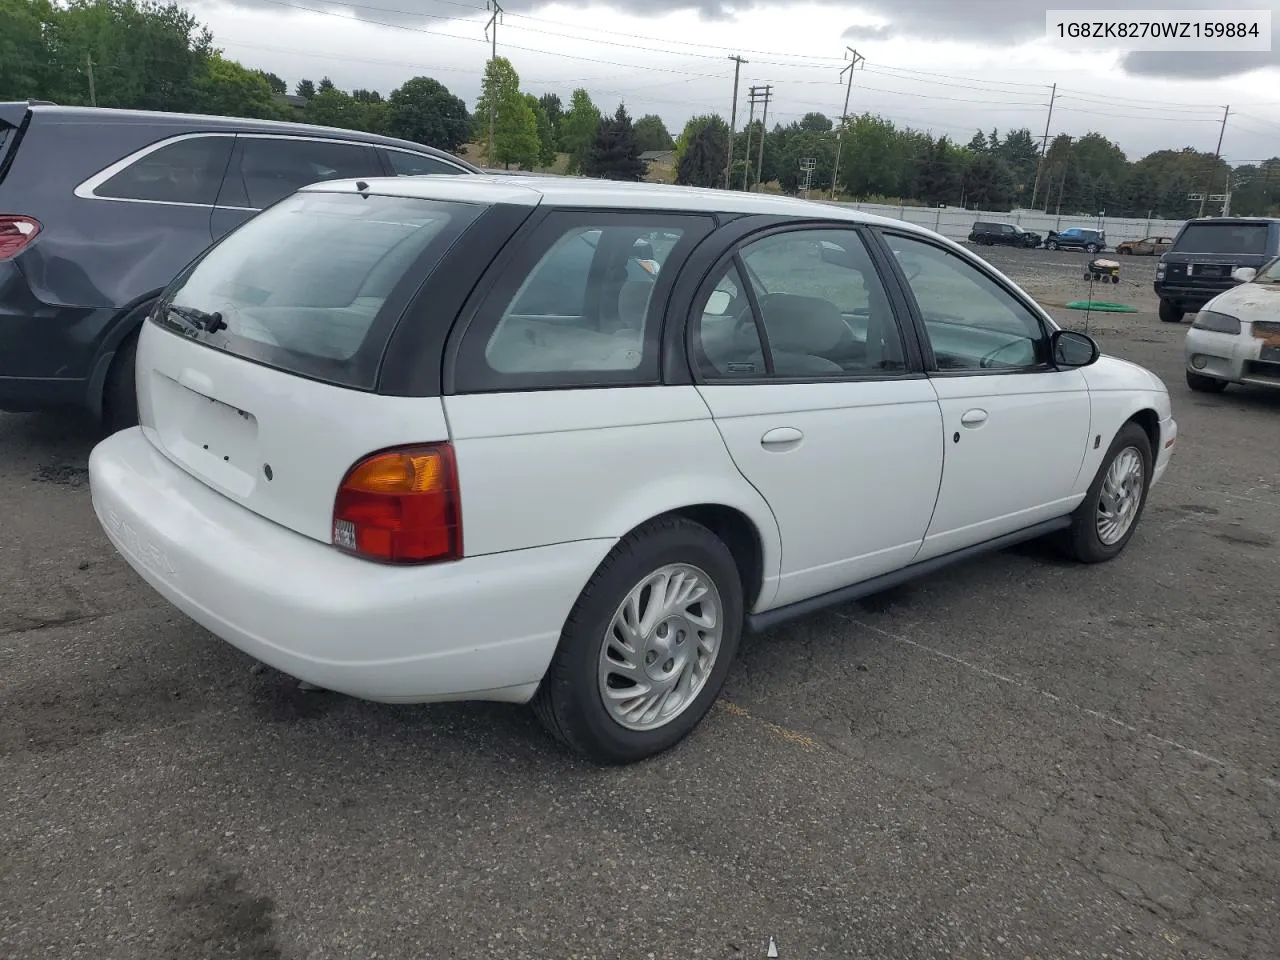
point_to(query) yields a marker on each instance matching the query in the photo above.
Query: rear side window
(1247, 238)
(302, 287)
(184, 171)
(581, 303)
(272, 168)
(407, 164)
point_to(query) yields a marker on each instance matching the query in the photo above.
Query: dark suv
(1199, 265)
(100, 209)
(987, 233)
(1077, 238)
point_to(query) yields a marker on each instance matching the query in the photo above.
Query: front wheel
(1051, 245)
(1109, 513)
(1202, 384)
(646, 649)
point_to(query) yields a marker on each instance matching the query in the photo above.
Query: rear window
(302, 287)
(1248, 238)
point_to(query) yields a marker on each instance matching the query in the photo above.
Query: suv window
(585, 304)
(407, 164)
(822, 311)
(288, 299)
(972, 323)
(1247, 238)
(184, 171)
(271, 168)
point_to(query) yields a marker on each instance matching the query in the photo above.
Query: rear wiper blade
(208, 322)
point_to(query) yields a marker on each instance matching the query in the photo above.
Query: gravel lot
(1017, 758)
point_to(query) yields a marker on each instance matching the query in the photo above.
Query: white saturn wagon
(547, 440)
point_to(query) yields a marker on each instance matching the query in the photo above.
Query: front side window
(973, 324)
(584, 306)
(184, 171)
(302, 287)
(272, 168)
(822, 311)
(407, 164)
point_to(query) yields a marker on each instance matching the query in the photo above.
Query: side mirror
(1243, 274)
(718, 303)
(1070, 349)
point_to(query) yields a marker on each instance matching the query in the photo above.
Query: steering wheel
(988, 360)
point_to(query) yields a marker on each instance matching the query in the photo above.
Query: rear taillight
(15, 233)
(401, 506)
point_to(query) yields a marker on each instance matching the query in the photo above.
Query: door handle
(973, 418)
(781, 438)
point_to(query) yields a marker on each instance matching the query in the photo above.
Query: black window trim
(914, 369)
(466, 371)
(1047, 324)
(88, 189)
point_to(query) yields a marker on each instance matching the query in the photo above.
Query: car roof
(199, 122)
(589, 193)
(1232, 220)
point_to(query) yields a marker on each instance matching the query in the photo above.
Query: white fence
(955, 223)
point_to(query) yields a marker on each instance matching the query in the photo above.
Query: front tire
(1051, 245)
(1110, 511)
(645, 651)
(1170, 313)
(1202, 384)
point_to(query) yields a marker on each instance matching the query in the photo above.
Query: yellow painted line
(786, 734)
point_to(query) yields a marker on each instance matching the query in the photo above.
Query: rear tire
(1105, 520)
(120, 392)
(1202, 384)
(590, 660)
(1170, 313)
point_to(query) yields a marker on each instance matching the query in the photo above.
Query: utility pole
(764, 132)
(93, 94)
(1217, 151)
(1044, 145)
(757, 95)
(733, 117)
(494, 20)
(844, 116)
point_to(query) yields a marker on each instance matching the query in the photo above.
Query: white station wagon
(558, 441)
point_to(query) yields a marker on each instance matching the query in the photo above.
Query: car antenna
(363, 189)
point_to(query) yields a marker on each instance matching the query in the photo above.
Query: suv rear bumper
(1190, 298)
(484, 628)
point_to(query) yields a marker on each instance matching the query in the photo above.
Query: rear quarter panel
(549, 467)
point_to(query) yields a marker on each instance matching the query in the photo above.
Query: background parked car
(1236, 336)
(1146, 247)
(1204, 256)
(100, 209)
(1077, 238)
(988, 233)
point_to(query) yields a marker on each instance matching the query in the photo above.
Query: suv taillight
(401, 506)
(15, 233)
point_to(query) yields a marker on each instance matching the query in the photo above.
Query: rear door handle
(781, 438)
(973, 418)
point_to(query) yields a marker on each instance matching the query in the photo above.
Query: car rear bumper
(1234, 357)
(483, 628)
(1189, 297)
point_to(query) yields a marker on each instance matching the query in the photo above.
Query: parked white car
(1236, 336)
(447, 438)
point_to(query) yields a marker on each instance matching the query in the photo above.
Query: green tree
(423, 110)
(305, 89)
(652, 134)
(615, 154)
(334, 108)
(276, 84)
(702, 152)
(515, 128)
(816, 123)
(325, 85)
(26, 58)
(546, 135)
(578, 129)
(226, 88)
(554, 109)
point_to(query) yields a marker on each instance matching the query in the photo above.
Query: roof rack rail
(41, 103)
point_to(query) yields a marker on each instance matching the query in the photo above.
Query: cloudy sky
(949, 66)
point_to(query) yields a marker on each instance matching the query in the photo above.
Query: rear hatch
(257, 369)
(1206, 253)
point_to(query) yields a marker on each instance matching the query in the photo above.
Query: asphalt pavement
(1019, 757)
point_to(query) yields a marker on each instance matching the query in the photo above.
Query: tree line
(143, 54)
